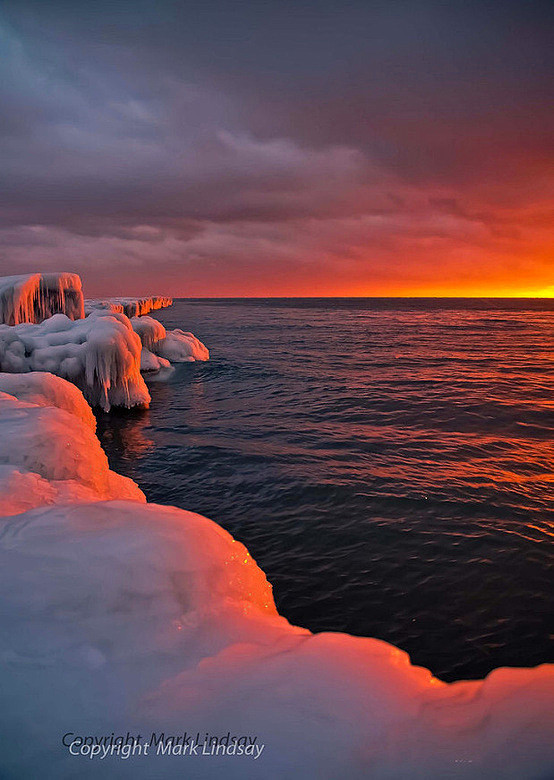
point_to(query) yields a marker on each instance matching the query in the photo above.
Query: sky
(260, 148)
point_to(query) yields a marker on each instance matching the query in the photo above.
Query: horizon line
(363, 297)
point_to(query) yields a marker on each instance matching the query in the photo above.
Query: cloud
(227, 149)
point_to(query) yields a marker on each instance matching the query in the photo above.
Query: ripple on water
(388, 464)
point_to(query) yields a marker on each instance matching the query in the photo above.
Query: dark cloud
(234, 144)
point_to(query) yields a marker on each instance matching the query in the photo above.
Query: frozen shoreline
(123, 616)
(44, 328)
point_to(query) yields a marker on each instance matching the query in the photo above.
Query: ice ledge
(35, 297)
(131, 307)
(43, 328)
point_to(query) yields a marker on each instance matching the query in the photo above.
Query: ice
(42, 328)
(100, 354)
(56, 446)
(124, 616)
(174, 346)
(149, 330)
(34, 297)
(181, 347)
(151, 362)
(45, 389)
(103, 354)
(131, 307)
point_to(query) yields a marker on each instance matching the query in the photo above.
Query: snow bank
(181, 347)
(149, 330)
(100, 354)
(34, 297)
(131, 307)
(161, 347)
(151, 362)
(44, 389)
(120, 616)
(48, 450)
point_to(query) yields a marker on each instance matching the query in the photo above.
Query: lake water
(388, 463)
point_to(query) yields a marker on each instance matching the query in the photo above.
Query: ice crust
(181, 347)
(35, 297)
(131, 307)
(174, 346)
(43, 328)
(43, 389)
(49, 452)
(100, 354)
(124, 616)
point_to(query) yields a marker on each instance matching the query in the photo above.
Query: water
(389, 464)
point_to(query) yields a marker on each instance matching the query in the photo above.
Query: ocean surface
(388, 463)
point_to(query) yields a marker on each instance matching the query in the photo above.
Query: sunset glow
(398, 149)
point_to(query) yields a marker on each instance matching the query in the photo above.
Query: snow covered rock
(100, 354)
(49, 452)
(149, 330)
(151, 362)
(131, 307)
(174, 346)
(34, 297)
(43, 389)
(181, 347)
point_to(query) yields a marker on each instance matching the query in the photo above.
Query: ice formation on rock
(131, 307)
(181, 347)
(42, 328)
(120, 616)
(43, 389)
(100, 354)
(149, 330)
(151, 362)
(174, 346)
(48, 449)
(34, 297)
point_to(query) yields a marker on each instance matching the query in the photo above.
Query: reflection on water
(122, 433)
(388, 464)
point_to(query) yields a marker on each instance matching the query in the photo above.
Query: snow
(174, 346)
(124, 616)
(181, 347)
(149, 330)
(44, 389)
(43, 328)
(151, 362)
(100, 354)
(49, 452)
(34, 297)
(131, 307)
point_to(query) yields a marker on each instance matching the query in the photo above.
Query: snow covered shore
(131, 307)
(122, 617)
(34, 297)
(44, 329)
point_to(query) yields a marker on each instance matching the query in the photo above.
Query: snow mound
(22, 490)
(161, 347)
(121, 616)
(58, 446)
(181, 347)
(35, 297)
(131, 307)
(149, 330)
(151, 362)
(100, 354)
(45, 389)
